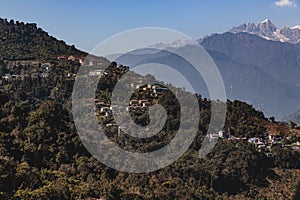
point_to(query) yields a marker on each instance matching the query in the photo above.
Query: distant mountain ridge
(264, 73)
(274, 88)
(267, 30)
(279, 59)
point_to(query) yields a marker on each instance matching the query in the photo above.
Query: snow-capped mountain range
(255, 67)
(176, 44)
(269, 31)
(265, 29)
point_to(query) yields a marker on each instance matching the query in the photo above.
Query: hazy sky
(86, 23)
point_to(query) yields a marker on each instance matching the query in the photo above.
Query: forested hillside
(42, 156)
(20, 41)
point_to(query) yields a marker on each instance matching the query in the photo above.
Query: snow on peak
(296, 27)
(266, 21)
(175, 44)
(269, 31)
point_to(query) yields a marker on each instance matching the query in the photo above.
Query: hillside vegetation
(20, 41)
(42, 156)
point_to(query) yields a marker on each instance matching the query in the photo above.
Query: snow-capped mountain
(296, 27)
(176, 44)
(269, 31)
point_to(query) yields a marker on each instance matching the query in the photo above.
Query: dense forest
(42, 156)
(20, 41)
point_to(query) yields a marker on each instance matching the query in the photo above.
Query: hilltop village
(27, 69)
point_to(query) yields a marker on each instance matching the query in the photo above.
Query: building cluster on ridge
(103, 109)
(265, 143)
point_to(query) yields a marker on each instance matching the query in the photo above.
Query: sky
(87, 23)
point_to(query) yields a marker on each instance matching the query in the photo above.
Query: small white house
(146, 104)
(105, 109)
(222, 134)
(96, 72)
(134, 103)
(7, 77)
